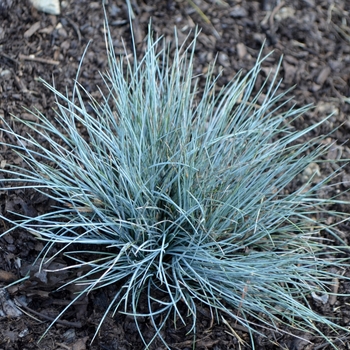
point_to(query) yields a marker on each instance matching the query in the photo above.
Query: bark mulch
(312, 35)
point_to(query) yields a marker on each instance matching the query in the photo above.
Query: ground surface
(313, 36)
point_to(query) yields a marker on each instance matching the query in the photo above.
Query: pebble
(238, 12)
(48, 6)
(5, 74)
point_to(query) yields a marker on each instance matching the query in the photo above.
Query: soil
(312, 35)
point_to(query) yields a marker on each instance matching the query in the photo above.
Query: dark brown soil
(312, 35)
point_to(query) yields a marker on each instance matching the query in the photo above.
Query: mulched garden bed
(312, 35)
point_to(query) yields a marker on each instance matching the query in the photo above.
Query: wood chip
(34, 28)
(7, 305)
(241, 50)
(323, 76)
(6, 276)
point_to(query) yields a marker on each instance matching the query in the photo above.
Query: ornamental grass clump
(182, 195)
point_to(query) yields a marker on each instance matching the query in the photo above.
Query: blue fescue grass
(183, 192)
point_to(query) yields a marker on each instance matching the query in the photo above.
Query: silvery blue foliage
(182, 190)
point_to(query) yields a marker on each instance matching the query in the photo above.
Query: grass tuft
(181, 195)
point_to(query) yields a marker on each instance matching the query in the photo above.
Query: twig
(48, 318)
(9, 58)
(64, 346)
(74, 25)
(273, 13)
(323, 345)
(38, 59)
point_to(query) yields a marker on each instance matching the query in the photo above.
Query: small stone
(62, 32)
(5, 74)
(238, 12)
(48, 6)
(311, 172)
